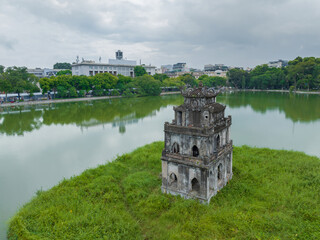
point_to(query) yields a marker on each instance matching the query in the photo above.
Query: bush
(291, 89)
(128, 93)
(148, 86)
(62, 92)
(115, 92)
(73, 92)
(81, 93)
(97, 92)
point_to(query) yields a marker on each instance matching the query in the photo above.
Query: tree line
(17, 80)
(301, 73)
(66, 85)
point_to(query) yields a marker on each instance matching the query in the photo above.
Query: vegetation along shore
(301, 74)
(274, 194)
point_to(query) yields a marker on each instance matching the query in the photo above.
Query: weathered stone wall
(197, 159)
(207, 145)
(183, 184)
(186, 142)
(208, 179)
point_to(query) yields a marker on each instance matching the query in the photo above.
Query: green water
(41, 145)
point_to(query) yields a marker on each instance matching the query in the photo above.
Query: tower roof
(200, 92)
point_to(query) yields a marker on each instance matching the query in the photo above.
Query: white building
(46, 72)
(278, 64)
(115, 66)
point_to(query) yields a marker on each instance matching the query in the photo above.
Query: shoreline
(111, 97)
(69, 100)
(275, 90)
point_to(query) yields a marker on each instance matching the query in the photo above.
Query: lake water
(43, 144)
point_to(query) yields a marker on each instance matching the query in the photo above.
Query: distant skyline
(235, 33)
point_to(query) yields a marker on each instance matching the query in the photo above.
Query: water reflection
(119, 112)
(296, 107)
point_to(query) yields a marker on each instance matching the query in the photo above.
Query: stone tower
(197, 157)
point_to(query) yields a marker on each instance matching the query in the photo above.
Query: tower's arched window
(220, 171)
(175, 148)
(218, 141)
(227, 135)
(195, 185)
(179, 118)
(195, 151)
(173, 178)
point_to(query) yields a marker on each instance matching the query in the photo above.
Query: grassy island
(273, 195)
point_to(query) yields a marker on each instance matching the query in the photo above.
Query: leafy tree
(97, 91)
(295, 61)
(122, 82)
(49, 84)
(173, 82)
(103, 81)
(81, 82)
(160, 77)
(63, 65)
(129, 90)
(147, 86)
(202, 77)
(73, 92)
(5, 85)
(212, 81)
(115, 92)
(31, 86)
(139, 71)
(62, 81)
(45, 85)
(1, 69)
(62, 92)
(237, 77)
(189, 79)
(304, 72)
(81, 93)
(20, 79)
(264, 77)
(64, 72)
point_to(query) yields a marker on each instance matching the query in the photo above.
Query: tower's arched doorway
(195, 185)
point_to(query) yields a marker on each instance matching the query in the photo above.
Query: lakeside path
(279, 91)
(69, 100)
(110, 97)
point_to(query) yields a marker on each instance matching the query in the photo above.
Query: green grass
(273, 195)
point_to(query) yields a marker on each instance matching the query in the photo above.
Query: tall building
(115, 66)
(179, 67)
(166, 68)
(197, 157)
(120, 61)
(119, 55)
(210, 67)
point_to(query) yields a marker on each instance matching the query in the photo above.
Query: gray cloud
(5, 43)
(243, 33)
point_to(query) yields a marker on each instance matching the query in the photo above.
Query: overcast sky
(39, 33)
